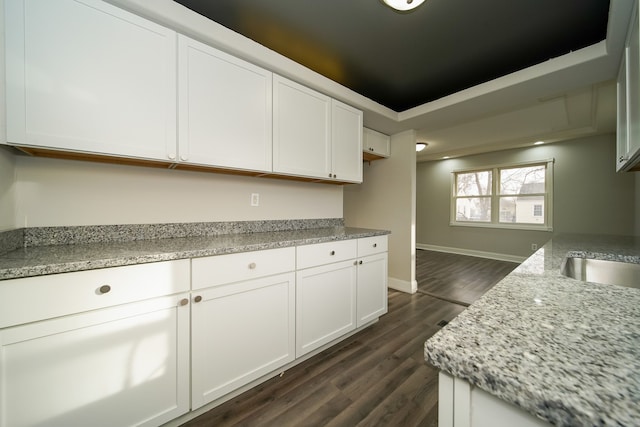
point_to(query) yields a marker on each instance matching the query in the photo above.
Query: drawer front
(44, 297)
(325, 253)
(223, 269)
(372, 245)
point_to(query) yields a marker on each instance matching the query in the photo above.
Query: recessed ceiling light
(403, 5)
(421, 146)
(446, 157)
(538, 143)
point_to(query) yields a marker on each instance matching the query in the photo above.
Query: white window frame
(495, 198)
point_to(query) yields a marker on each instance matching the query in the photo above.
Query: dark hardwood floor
(377, 377)
(458, 278)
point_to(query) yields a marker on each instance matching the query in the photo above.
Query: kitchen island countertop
(564, 350)
(63, 258)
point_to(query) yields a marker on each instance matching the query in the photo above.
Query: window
(507, 196)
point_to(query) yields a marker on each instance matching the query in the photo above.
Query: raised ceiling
(405, 60)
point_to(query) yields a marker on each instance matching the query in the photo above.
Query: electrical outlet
(534, 247)
(255, 199)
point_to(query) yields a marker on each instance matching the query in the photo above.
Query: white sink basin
(601, 271)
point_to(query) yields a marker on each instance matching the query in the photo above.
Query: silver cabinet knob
(104, 289)
(184, 301)
(197, 298)
(252, 266)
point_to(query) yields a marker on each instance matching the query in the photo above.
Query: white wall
(386, 200)
(589, 197)
(52, 192)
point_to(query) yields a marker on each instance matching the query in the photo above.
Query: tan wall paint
(589, 197)
(386, 200)
(61, 192)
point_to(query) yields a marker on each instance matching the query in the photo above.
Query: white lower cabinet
(134, 345)
(240, 332)
(242, 320)
(371, 288)
(325, 304)
(461, 404)
(372, 278)
(121, 366)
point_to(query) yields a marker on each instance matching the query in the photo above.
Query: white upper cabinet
(224, 109)
(628, 132)
(87, 76)
(346, 142)
(375, 145)
(315, 136)
(301, 130)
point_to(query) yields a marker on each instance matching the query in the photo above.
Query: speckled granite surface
(61, 258)
(564, 350)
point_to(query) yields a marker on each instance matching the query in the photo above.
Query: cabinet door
(622, 137)
(633, 88)
(240, 332)
(301, 130)
(372, 288)
(122, 366)
(375, 143)
(225, 110)
(86, 76)
(325, 304)
(346, 142)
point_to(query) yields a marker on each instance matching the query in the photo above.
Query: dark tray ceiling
(405, 60)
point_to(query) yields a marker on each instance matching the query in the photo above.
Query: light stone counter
(67, 249)
(564, 350)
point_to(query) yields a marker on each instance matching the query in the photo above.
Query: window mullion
(495, 196)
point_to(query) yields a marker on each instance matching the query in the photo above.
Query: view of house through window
(509, 195)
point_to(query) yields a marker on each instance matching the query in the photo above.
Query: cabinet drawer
(325, 253)
(36, 298)
(372, 245)
(221, 269)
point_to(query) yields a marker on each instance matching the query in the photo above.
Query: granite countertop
(62, 258)
(564, 350)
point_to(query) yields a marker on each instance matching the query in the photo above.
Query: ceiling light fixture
(421, 146)
(538, 143)
(403, 5)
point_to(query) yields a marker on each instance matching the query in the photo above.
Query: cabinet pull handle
(252, 266)
(355, 262)
(184, 301)
(197, 298)
(375, 245)
(360, 262)
(104, 289)
(332, 253)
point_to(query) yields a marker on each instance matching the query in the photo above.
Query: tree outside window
(508, 195)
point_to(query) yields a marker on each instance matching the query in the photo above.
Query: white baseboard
(410, 287)
(470, 252)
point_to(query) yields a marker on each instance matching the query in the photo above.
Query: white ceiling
(586, 111)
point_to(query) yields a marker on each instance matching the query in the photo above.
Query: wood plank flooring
(377, 377)
(458, 278)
